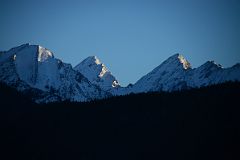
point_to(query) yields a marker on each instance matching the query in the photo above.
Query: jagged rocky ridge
(176, 73)
(34, 69)
(97, 73)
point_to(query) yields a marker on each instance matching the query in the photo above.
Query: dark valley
(192, 124)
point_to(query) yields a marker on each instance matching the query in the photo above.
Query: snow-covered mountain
(34, 70)
(169, 75)
(176, 74)
(97, 73)
(32, 66)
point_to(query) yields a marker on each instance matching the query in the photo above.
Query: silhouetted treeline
(194, 124)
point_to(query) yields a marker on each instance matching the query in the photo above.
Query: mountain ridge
(29, 67)
(176, 73)
(96, 72)
(33, 66)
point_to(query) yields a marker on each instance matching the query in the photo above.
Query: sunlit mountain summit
(96, 72)
(34, 69)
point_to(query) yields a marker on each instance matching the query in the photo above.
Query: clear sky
(130, 36)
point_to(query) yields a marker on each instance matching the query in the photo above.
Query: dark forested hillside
(195, 124)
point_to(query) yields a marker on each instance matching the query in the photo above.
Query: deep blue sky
(131, 37)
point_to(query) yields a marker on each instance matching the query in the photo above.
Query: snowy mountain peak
(185, 63)
(92, 59)
(44, 54)
(176, 74)
(26, 50)
(97, 73)
(34, 67)
(173, 63)
(179, 60)
(23, 45)
(167, 75)
(211, 65)
(94, 62)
